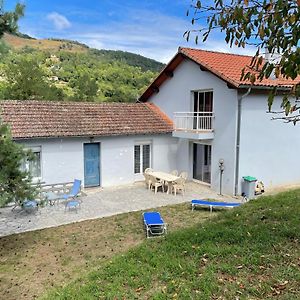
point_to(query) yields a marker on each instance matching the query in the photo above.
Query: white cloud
(59, 21)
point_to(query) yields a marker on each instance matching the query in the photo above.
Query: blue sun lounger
(75, 190)
(212, 204)
(154, 224)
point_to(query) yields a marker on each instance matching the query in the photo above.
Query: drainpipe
(238, 139)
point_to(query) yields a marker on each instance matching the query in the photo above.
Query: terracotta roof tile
(226, 66)
(32, 119)
(229, 67)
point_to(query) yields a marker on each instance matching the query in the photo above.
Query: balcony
(194, 125)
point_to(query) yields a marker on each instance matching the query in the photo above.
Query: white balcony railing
(194, 121)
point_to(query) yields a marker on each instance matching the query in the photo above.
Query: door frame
(192, 103)
(100, 171)
(192, 162)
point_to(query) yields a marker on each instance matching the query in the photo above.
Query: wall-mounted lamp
(221, 168)
(91, 139)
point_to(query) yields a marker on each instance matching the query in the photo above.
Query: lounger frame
(211, 204)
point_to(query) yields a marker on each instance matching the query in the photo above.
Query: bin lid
(249, 178)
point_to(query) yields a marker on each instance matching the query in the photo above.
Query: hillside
(68, 70)
(131, 59)
(20, 41)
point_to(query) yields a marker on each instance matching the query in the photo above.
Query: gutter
(88, 136)
(261, 87)
(238, 140)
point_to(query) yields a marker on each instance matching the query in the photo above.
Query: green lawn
(251, 252)
(33, 263)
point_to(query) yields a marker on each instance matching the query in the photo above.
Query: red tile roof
(229, 67)
(226, 66)
(35, 119)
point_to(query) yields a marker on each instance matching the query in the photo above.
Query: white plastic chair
(174, 172)
(156, 184)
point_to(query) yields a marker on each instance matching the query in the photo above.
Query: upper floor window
(33, 166)
(203, 101)
(142, 157)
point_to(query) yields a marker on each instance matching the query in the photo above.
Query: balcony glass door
(203, 107)
(202, 162)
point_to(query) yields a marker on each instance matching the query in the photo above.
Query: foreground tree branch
(272, 26)
(9, 19)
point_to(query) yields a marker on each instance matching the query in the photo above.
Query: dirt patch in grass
(33, 262)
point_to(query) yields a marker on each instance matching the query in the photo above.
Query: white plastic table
(168, 178)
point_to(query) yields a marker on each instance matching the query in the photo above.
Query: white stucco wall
(62, 159)
(269, 149)
(175, 96)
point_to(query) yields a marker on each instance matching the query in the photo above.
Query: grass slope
(18, 43)
(251, 252)
(33, 262)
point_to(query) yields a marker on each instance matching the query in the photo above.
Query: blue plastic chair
(30, 205)
(212, 204)
(154, 224)
(74, 191)
(71, 201)
(73, 204)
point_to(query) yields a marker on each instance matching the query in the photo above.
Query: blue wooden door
(92, 164)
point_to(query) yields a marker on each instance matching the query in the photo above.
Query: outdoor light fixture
(221, 167)
(91, 139)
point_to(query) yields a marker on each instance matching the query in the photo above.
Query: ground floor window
(142, 157)
(33, 166)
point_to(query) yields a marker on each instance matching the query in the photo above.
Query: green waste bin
(248, 187)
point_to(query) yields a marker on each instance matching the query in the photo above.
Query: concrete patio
(100, 203)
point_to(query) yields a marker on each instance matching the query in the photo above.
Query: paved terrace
(100, 203)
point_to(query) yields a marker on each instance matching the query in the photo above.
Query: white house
(219, 117)
(196, 113)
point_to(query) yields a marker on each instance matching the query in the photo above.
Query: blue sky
(153, 28)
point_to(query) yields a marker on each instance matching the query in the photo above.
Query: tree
(85, 87)
(15, 184)
(272, 25)
(9, 20)
(26, 80)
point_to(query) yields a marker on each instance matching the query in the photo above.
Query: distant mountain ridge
(20, 41)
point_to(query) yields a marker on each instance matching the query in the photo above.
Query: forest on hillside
(91, 75)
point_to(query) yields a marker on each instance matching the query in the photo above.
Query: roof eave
(162, 76)
(264, 87)
(154, 86)
(91, 135)
(213, 71)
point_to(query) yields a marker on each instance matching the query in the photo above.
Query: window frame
(25, 165)
(141, 157)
